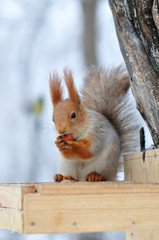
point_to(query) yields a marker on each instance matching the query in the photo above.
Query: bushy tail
(106, 91)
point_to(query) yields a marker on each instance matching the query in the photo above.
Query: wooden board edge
(28, 189)
(11, 195)
(138, 155)
(97, 187)
(11, 219)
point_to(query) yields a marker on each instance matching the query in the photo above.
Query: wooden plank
(142, 167)
(69, 188)
(142, 235)
(81, 207)
(11, 195)
(138, 155)
(11, 219)
(90, 212)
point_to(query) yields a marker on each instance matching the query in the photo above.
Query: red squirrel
(101, 124)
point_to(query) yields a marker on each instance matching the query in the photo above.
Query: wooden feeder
(143, 167)
(131, 205)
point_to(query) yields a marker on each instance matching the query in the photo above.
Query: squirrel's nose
(61, 130)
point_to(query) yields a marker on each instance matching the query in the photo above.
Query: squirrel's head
(69, 115)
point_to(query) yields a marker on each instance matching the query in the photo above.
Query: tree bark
(137, 26)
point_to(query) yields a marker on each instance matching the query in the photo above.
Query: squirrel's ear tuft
(73, 93)
(55, 88)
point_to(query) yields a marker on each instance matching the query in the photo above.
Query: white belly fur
(101, 164)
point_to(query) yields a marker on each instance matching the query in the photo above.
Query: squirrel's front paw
(60, 178)
(64, 146)
(94, 177)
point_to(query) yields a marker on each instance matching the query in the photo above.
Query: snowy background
(37, 37)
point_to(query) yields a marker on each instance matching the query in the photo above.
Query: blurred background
(37, 37)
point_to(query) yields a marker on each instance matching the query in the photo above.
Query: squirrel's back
(106, 92)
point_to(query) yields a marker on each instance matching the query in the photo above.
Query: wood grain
(11, 219)
(142, 235)
(80, 207)
(90, 212)
(75, 188)
(142, 167)
(11, 195)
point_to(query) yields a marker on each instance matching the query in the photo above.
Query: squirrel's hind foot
(60, 178)
(94, 177)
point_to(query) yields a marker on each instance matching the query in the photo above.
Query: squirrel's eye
(53, 120)
(73, 115)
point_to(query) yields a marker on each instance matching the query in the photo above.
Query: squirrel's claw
(94, 177)
(59, 137)
(58, 177)
(64, 146)
(69, 178)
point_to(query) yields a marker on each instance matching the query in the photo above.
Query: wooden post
(142, 167)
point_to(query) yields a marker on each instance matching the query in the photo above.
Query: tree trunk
(89, 34)
(137, 26)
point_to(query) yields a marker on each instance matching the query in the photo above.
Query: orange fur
(81, 148)
(100, 124)
(94, 177)
(60, 178)
(73, 94)
(67, 155)
(55, 88)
